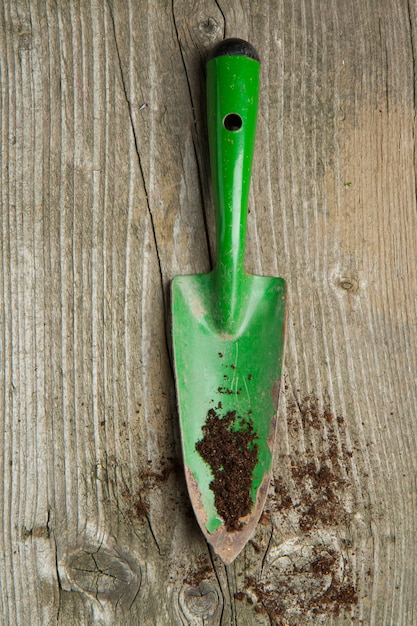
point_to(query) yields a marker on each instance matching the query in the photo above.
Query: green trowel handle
(232, 106)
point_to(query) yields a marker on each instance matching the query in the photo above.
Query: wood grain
(105, 196)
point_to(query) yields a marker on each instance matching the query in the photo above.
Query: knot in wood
(310, 563)
(208, 28)
(102, 574)
(349, 283)
(199, 602)
(305, 576)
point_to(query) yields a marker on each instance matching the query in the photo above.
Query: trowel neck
(232, 103)
(231, 201)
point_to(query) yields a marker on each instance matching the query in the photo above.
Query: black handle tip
(234, 47)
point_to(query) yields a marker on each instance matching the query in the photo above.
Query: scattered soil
(282, 498)
(136, 504)
(229, 448)
(136, 508)
(229, 392)
(321, 504)
(150, 477)
(203, 569)
(317, 480)
(335, 599)
(312, 497)
(323, 564)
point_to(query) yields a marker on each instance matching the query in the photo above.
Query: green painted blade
(228, 329)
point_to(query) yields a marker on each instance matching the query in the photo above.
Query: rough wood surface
(105, 197)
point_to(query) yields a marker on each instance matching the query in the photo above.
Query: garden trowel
(228, 329)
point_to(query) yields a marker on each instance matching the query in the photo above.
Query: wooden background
(105, 196)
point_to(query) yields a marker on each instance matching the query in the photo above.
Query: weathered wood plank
(105, 196)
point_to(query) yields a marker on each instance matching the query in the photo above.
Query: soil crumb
(228, 447)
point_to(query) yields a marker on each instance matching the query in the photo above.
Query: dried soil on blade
(229, 448)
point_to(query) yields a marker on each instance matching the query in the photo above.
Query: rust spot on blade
(195, 497)
(275, 393)
(272, 432)
(197, 308)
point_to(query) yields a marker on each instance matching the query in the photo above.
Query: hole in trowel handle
(232, 121)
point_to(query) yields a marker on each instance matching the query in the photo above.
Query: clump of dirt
(228, 447)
